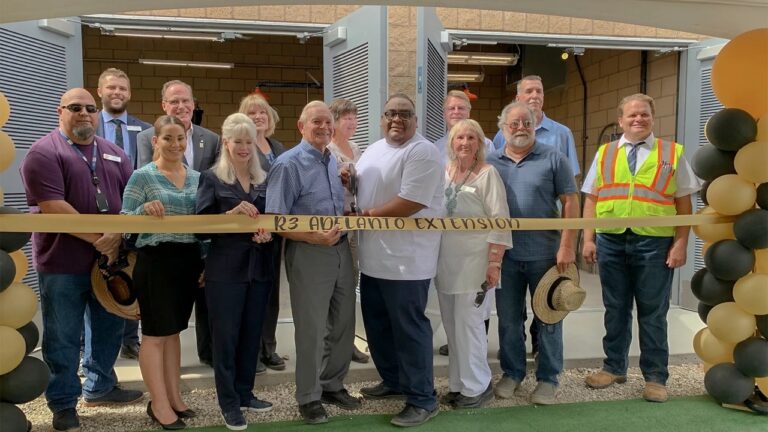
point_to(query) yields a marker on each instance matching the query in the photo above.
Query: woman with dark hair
(167, 270)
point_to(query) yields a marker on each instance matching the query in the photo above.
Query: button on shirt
(303, 181)
(553, 134)
(687, 182)
(534, 186)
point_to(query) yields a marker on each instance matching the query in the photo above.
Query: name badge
(469, 189)
(134, 128)
(112, 158)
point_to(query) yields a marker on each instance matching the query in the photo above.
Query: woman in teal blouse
(168, 267)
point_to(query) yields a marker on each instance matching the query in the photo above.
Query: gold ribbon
(80, 223)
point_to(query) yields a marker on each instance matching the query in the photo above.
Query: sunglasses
(76, 108)
(480, 296)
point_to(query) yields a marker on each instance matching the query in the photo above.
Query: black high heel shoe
(177, 425)
(186, 414)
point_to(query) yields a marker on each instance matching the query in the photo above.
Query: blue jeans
(400, 336)
(633, 268)
(67, 300)
(517, 277)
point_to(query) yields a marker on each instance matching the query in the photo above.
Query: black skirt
(166, 281)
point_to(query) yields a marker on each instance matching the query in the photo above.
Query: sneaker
(479, 401)
(66, 420)
(655, 392)
(234, 420)
(603, 379)
(261, 369)
(116, 396)
(359, 356)
(257, 405)
(449, 398)
(413, 416)
(381, 391)
(130, 352)
(313, 413)
(341, 399)
(544, 394)
(507, 388)
(443, 350)
(274, 362)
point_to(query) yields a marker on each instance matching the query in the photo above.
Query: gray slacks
(322, 287)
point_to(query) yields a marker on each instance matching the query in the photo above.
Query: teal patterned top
(148, 184)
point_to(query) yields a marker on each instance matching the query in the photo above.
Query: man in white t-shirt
(400, 176)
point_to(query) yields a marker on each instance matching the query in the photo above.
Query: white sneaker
(506, 388)
(544, 394)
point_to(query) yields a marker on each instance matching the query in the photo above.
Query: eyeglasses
(403, 115)
(515, 124)
(480, 296)
(76, 108)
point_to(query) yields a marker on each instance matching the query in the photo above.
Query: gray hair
(528, 78)
(505, 113)
(170, 83)
(471, 126)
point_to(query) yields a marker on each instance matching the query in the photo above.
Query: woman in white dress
(469, 259)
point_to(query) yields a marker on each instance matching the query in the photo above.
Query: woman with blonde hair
(239, 270)
(469, 264)
(265, 119)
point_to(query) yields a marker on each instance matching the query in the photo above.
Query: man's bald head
(75, 120)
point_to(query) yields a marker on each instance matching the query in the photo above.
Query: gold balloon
(762, 127)
(761, 261)
(762, 384)
(730, 323)
(731, 195)
(705, 367)
(21, 263)
(18, 305)
(704, 248)
(5, 109)
(7, 151)
(13, 349)
(739, 72)
(751, 293)
(751, 161)
(711, 349)
(713, 232)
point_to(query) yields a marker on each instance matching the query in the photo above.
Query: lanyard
(92, 164)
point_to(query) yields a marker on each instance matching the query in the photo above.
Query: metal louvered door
(431, 74)
(36, 68)
(698, 104)
(355, 67)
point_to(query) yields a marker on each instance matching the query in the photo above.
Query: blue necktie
(632, 156)
(118, 132)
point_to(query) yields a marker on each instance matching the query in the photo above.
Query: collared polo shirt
(534, 186)
(553, 134)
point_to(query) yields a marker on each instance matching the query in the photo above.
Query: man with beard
(305, 181)
(535, 176)
(120, 128)
(202, 149)
(72, 171)
(400, 175)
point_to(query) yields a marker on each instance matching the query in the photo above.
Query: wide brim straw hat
(115, 292)
(558, 294)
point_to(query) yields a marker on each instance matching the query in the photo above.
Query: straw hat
(557, 294)
(113, 286)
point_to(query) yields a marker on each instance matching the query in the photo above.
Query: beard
(84, 132)
(112, 109)
(520, 141)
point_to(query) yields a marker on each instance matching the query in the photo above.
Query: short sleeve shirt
(53, 170)
(534, 186)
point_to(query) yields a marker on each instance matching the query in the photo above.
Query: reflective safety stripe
(609, 162)
(666, 165)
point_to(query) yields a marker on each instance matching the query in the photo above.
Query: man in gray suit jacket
(120, 128)
(202, 149)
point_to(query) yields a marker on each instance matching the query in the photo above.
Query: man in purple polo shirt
(71, 171)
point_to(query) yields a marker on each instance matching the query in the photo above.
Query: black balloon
(729, 260)
(703, 310)
(727, 384)
(26, 382)
(711, 290)
(762, 196)
(703, 192)
(751, 357)
(709, 162)
(731, 129)
(11, 241)
(13, 419)
(7, 270)
(762, 325)
(751, 228)
(32, 335)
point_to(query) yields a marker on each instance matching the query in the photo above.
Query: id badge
(101, 202)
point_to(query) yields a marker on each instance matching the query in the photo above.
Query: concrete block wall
(262, 58)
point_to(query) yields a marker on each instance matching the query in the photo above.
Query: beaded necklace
(452, 193)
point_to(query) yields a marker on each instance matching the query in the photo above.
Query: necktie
(118, 132)
(632, 156)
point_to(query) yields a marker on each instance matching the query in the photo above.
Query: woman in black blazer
(239, 270)
(265, 118)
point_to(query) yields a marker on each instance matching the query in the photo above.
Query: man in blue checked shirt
(304, 181)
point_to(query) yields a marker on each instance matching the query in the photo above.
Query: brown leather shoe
(603, 379)
(655, 392)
